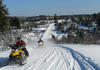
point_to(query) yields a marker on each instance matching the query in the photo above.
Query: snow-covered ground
(90, 51)
(53, 56)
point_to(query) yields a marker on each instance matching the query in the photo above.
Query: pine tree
(94, 16)
(55, 18)
(98, 19)
(15, 22)
(3, 17)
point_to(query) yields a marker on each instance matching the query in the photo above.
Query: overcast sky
(50, 7)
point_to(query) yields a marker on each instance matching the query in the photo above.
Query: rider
(20, 43)
(40, 42)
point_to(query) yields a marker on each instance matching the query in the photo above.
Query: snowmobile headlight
(40, 43)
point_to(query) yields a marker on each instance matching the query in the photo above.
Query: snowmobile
(17, 55)
(40, 42)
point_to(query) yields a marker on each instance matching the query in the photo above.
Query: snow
(60, 21)
(58, 35)
(47, 34)
(47, 59)
(38, 29)
(84, 27)
(90, 51)
(53, 56)
(29, 37)
(69, 20)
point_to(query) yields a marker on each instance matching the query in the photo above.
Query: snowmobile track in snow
(84, 62)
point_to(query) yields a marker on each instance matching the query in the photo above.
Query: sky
(50, 7)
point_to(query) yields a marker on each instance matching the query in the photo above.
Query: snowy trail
(48, 59)
(51, 57)
(84, 62)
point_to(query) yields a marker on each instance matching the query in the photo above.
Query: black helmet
(19, 38)
(40, 40)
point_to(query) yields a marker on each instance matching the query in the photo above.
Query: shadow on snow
(83, 59)
(3, 60)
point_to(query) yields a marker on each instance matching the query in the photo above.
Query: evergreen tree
(98, 19)
(55, 18)
(3, 17)
(94, 16)
(15, 22)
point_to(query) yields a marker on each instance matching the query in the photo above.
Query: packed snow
(91, 51)
(53, 56)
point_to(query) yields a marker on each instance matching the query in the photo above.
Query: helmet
(40, 40)
(19, 38)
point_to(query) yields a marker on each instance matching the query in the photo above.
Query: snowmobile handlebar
(14, 47)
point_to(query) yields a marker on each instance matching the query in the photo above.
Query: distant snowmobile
(17, 55)
(40, 42)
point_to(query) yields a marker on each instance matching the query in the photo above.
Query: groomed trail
(51, 57)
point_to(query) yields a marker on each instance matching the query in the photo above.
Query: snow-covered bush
(77, 32)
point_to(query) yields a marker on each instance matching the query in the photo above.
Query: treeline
(6, 23)
(83, 30)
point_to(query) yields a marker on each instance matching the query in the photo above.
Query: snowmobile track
(84, 62)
